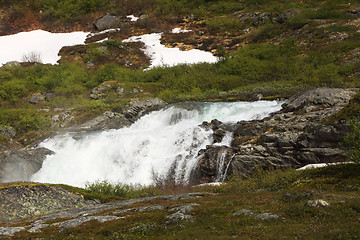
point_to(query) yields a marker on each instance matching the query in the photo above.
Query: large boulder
(20, 165)
(137, 108)
(108, 21)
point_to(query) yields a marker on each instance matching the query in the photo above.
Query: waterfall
(159, 143)
(220, 163)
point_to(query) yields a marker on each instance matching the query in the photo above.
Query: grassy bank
(284, 193)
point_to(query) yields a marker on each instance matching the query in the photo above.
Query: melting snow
(44, 44)
(163, 56)
(178, 30)
(318, 165)
(132, 18)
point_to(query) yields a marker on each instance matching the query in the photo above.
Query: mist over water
(162, 141)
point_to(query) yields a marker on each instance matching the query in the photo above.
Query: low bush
(352, 141)
(122, 190)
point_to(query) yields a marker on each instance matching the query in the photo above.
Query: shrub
(122, 190)
(352, 141)
(221, 25)
(32, 57)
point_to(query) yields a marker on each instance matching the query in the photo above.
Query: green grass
(278, 192)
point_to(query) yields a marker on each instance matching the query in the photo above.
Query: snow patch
(132, 18)
(179, 30)
(163, 56)
(105, 31)
(319, 165)
(46, 45)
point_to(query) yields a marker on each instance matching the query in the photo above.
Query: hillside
(269, 48)
(305, 54)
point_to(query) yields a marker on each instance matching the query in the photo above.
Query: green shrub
(221, 25)
(352, 141)
(122, 190)
(23, 120)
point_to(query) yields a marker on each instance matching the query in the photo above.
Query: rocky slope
(294, 137)
(46, 207)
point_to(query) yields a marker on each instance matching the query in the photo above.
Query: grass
(278, 192)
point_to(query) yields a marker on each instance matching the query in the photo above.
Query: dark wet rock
(212, 164)
(317, 203)
(138, 108)
(20, 165)
(267, 216)
(18, 202)
(291, 138)
(36, 98)
(245, 212)
(108, 21)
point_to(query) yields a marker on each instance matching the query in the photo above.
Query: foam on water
(160, 143)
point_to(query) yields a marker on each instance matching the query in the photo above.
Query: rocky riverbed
(293, 137)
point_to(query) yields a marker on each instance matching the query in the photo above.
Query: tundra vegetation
(317, 45)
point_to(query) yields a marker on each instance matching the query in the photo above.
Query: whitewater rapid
(161, 143)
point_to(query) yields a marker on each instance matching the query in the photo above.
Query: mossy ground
(278, 192)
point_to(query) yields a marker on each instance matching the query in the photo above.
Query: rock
(22, 201)
(141, 228)
(245, 212)
(12, 63)
(120, 91)
(178, 217)
(36, 98)
(267, 216)
(320, 96)
(138, 108)
(78, 221)
(20, 165)
(184, 208)
(101, 90)
(10, 231)
(144, 17)
(7, 131)
(106, 22)
(318, 203)
(256, 97)
(109, 120)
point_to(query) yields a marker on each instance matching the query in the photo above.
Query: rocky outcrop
(20, 165)
(294, 137)
(108, 120)
(138, 108)
(108, 21)
(258, 18)
(19, 202)
(54, 207)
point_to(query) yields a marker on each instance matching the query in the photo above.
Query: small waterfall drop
(160, 142)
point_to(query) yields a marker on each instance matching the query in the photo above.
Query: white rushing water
(161, 141)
